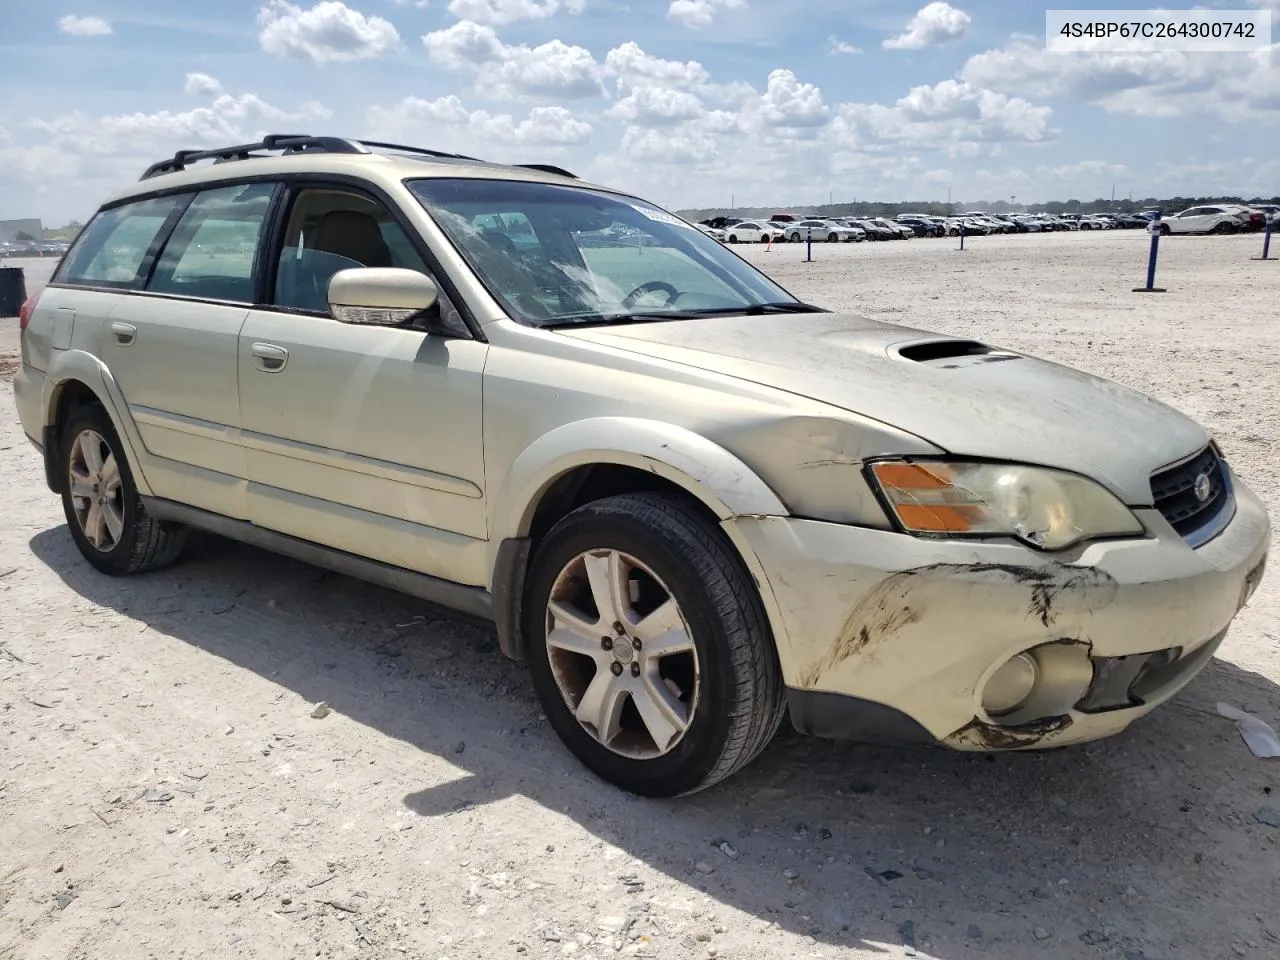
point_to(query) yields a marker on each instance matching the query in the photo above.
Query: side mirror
(380, 296)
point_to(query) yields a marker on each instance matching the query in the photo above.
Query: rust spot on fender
(989, 736)
(939, 590)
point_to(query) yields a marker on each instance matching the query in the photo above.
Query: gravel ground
(165, 790)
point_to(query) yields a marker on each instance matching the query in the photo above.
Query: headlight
(1048, 509)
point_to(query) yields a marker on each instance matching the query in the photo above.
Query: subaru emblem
(1204, 487)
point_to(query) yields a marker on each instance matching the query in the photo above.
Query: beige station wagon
(693, 504)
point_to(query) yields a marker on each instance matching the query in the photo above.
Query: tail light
(24, 313)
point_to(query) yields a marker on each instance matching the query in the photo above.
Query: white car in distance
(824, 230)
(1218, 218)
(752, 231)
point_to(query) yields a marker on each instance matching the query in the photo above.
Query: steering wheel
(653, 285)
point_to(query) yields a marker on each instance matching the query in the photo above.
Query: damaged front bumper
(885, 637)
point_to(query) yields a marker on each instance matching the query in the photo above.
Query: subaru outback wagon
(695, 505)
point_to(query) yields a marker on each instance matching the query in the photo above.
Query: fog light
(1010, 686)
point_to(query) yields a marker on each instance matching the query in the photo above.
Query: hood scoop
(952, 354)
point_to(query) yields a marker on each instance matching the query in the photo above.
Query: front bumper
(892, 638)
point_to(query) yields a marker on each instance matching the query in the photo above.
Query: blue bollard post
(1151, 259)
(1266, 245)
(808, 252)
(961, 234)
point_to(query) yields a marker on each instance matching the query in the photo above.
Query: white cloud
(838, 48)
(202, 85)
(787, 102)
(225, 121)
(1084, 169)
(412, 117)
(955, 117)
(552, 69)
(84, 26)
(1229, 86)
(329, 31)
(656, 107)
(501, 12)
(700, 13)
(1272, 5)
(420, 4)
(936, 23)
(635, 68)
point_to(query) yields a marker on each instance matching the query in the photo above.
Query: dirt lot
(165, 792)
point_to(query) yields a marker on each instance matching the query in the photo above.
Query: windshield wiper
(654, 316)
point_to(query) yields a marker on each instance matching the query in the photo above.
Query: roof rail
(548, 168)
(422, 150)
(287, 143)
(290, 143)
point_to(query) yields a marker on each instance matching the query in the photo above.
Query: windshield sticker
(659, 217)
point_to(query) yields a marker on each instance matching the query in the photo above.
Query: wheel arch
(599, 457)
(78, 379)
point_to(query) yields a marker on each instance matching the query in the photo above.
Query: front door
(365, 439)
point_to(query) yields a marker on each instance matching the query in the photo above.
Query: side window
(113, 249)
(332, 230)
(211, 252)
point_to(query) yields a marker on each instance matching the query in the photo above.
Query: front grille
(1174, 491)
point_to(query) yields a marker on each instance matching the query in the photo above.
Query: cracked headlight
(1049, 509)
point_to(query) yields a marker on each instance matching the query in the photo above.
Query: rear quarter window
(114, 248)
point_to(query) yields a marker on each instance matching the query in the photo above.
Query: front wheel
(733, 238)
(1164, 230)
(108, 521)
(648, 647)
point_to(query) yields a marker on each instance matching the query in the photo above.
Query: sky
(689, 103)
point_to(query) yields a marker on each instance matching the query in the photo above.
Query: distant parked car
(923, 227)
(873, 229)
(713, 232)
(823, 230)
(901, 231)
(752, 231)
(1215, 218)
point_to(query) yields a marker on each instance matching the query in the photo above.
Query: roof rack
(290, 143)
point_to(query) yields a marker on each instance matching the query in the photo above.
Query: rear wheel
(648, 647)
(1224, 228)
(833, 238)
(108, 522)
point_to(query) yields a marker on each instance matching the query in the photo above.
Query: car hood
(967, 398)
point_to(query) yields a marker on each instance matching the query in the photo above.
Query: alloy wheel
(97, 493)
(621, 654)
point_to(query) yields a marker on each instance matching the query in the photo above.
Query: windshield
(556, 255)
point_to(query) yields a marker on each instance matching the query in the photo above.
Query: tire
(736, 693)
(733, 238)
(794, 238)
(1164, 230)
(140, 543)
(833, 238)
(1224, 228)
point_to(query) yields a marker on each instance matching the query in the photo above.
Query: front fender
(76, 365)
(712, 474)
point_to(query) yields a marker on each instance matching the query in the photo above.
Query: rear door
(172, 347)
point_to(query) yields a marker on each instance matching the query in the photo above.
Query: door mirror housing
(380, 296)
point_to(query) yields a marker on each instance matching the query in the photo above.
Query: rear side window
(212, 250)
(112, 250)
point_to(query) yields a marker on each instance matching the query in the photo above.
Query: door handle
(123, 332)
(270, 357)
